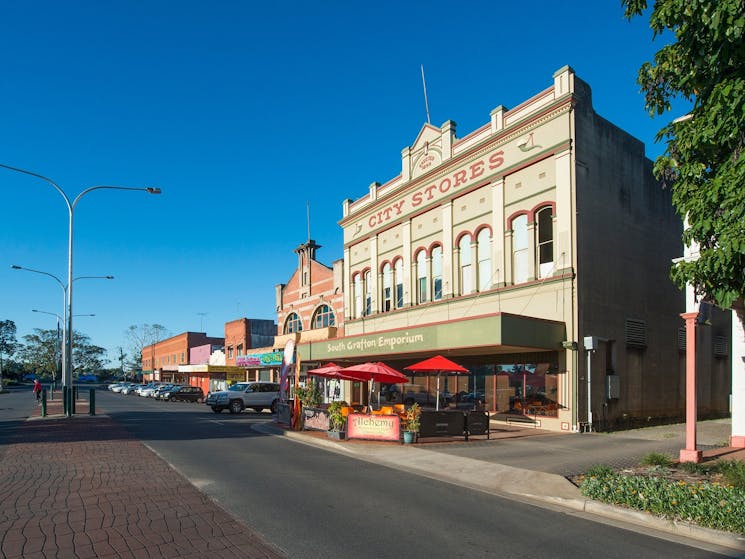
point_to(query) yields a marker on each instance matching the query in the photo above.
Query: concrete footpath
(530, 485)
(102, 493)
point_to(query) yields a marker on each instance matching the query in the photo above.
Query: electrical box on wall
(612, 387)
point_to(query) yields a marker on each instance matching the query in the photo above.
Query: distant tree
(139, 337)
(40, 353)
(703, 162)
(8, 343)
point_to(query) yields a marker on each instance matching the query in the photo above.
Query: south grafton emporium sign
(485, 331)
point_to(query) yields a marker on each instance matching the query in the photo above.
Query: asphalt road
(317, 504)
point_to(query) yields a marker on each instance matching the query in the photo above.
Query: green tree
(703, 162)
(40, 353)
(8, 343)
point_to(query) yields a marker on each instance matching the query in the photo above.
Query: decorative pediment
(432, 146)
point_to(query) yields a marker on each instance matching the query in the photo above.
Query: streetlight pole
(64, 304)
(71, 205)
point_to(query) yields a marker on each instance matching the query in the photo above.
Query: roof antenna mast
(424, 85)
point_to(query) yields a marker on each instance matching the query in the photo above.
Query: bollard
(73, 398)
(64, 399)
(92, 402)
(44, 402)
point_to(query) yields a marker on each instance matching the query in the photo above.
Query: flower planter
(336, 435)
(409, 437)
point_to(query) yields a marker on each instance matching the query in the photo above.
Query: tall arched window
(483, 251)
(293, 324)
(466, 270)
(421, 277)
(520, 249)
(387, 301)
(368, 293)
(323, 317)
(398, 276)
(545, 239)
(357, 286)
(437, 273)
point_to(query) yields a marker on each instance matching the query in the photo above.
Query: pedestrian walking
(37, 390)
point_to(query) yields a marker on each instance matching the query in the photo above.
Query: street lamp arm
(149, 190)
(55, 278)
(42, 177)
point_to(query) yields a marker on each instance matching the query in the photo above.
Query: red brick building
(247, 333)
(160, 361)
(311, 304)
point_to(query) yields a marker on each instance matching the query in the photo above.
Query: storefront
(515, 366)
(212, 378)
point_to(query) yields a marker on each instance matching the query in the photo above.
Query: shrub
(695, 468)
(657, 459)
(599, 470)
(733, 472)
(707, 504)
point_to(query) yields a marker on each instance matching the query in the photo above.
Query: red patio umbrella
(329, 371)
(437, 365)
(376, 371)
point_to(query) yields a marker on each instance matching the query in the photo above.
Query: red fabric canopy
(378, 372)
(437, 364)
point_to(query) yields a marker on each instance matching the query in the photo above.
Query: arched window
(357, 286)
(387, 287)
(437, 273)
(545, 239)
(520, 249)
(323, 317)
(422, 277)
(368, 293)
(398, 275)
(466, 270)
(483, 251)
(293, 324)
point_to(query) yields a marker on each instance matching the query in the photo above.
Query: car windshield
(237, 387)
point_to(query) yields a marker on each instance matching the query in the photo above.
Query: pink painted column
(689, 453)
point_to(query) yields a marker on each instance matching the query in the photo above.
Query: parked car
(130, 389)
(412, 393)
(147, 391)
(184, 393)
(258, 395)
(156, 394)
(121, 386)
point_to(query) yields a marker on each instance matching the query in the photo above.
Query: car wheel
(171, 399)
(236, 406)
(199, 400)
(216, 409)
(273, 407)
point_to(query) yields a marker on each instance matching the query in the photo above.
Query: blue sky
(242, 113)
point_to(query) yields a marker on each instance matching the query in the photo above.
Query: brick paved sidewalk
(84, 488)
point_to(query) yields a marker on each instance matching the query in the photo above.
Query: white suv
(258, 396)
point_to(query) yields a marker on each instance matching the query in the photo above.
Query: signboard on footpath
(375, 427)
(315, 419)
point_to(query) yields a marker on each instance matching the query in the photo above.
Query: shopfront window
(527, 388)
(545, 247)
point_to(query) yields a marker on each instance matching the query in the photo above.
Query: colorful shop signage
(376, 427)
(273, 359)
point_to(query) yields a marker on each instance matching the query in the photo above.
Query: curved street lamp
(71, 205)
(64, 300)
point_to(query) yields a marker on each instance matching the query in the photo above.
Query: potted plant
(411, 427)
(336, 419)
(310, 394)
